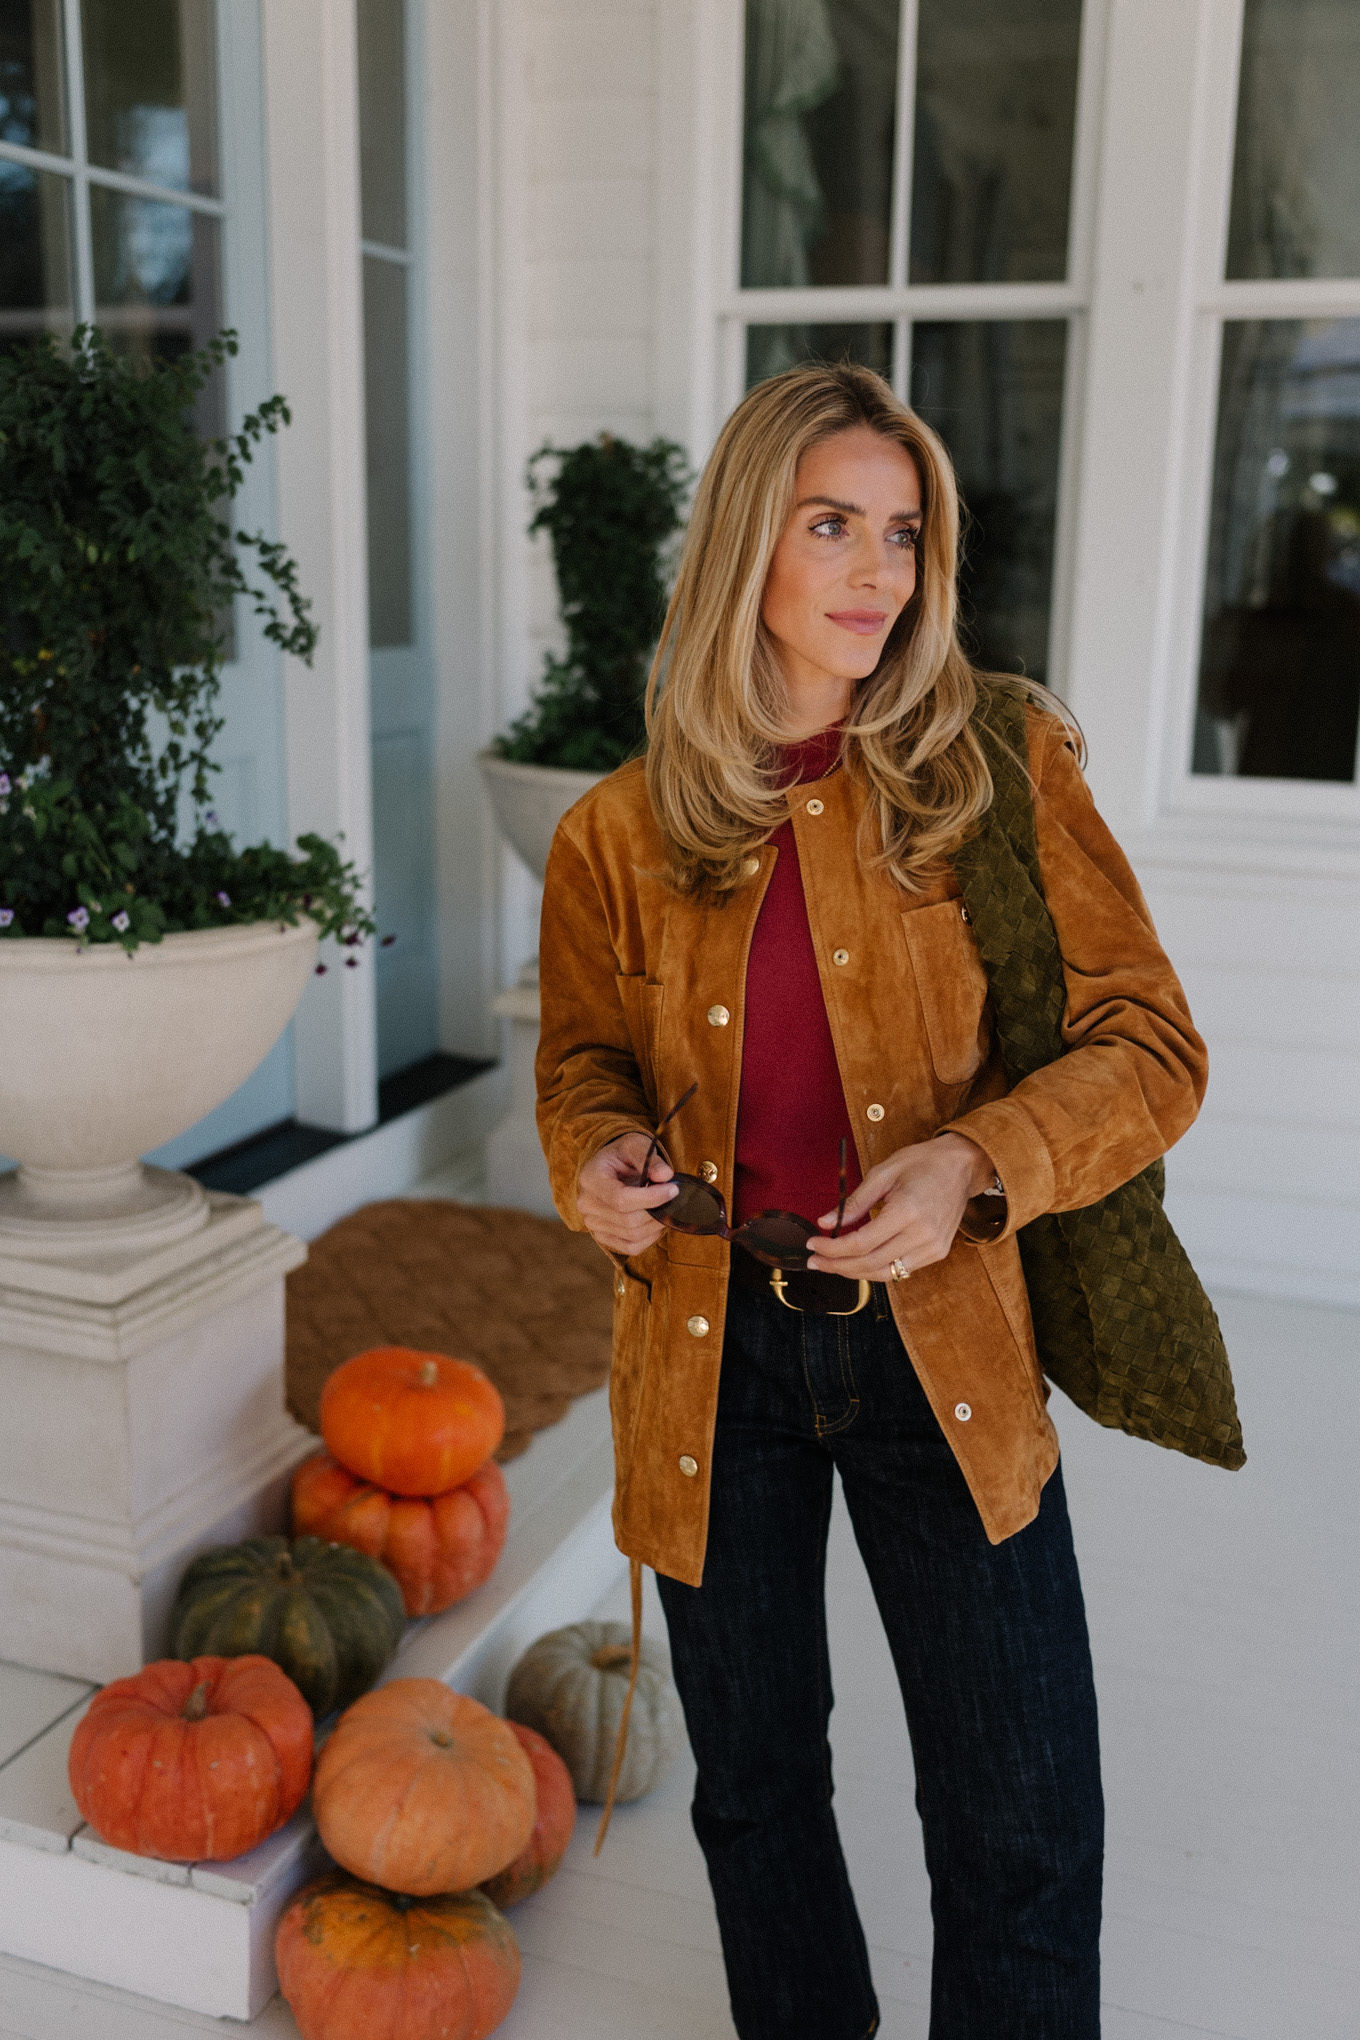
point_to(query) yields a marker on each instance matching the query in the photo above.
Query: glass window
(387, 372)
(388, 440)
(32, 108)
(1296, 169)
(771, 349)
(381, 28)
(996, 105)
(821, 101)
(993, 390)
(1279, 688)
(35, 254)
(151, 91)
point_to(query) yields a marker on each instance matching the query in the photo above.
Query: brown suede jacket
(642, 995)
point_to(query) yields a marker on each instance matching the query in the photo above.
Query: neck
(814, 701)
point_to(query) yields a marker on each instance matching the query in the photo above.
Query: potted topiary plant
(146, 963)
(610, 510)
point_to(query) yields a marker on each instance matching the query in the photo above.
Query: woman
(760, 926)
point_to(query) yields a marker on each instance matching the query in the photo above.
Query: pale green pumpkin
(571, 1685)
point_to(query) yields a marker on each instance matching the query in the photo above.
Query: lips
(864, 622)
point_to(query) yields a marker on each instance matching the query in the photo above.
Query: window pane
(156, 283)
(771, 349)
(35, 254)
(993, 390)
(32, 111)
(821, 99)
(1279, 691)
(382, 120)
(996, 105)
(151, 90)
(1296, 172)
(386, 403)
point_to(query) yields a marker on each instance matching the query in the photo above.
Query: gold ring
(899, 1271)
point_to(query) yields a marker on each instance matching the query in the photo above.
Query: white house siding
(583, 141)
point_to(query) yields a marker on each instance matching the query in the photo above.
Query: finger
(875, 1238)
(871, 1191)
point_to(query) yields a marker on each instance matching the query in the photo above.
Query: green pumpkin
(328, 1616)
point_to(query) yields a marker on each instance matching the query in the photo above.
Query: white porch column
(316, 326)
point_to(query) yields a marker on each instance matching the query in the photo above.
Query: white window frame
(731, 308)
(1302, 812)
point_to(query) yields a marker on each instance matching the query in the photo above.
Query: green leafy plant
(117, 569)
(609, 509)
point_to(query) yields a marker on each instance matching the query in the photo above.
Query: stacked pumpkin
(407, 1475)
(437, 1813)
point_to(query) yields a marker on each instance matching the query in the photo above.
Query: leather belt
(806, 1289)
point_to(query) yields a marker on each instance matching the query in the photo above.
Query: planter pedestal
(142, 1391)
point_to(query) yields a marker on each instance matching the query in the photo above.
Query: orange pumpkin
(193, 1761)
(553, 1825)
(440, 1547)
(420, 1790)
(417, 1423)
(357, 1963)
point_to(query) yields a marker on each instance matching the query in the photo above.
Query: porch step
(201, 1936)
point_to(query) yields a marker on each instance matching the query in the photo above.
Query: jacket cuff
(1007, 1136)
(570, 1157)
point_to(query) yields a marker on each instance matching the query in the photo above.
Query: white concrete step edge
(201, 1936)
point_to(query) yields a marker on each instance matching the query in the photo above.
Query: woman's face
(845, 565)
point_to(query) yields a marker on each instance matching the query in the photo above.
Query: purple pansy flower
(122, 922)
(79, 918)
(6, 917)
(224, 899)
(4, 784)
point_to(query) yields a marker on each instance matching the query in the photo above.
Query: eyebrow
(853, 509)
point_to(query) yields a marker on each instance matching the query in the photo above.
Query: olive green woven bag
(1121, 1321)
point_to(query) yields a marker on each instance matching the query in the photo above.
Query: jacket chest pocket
(952, 987)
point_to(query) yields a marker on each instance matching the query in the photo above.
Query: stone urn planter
(529, 801)
(108, 1054)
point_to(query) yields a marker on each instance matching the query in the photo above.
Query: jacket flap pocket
(952, 986)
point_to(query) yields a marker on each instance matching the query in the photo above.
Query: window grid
(1221, 301)
(82, 174)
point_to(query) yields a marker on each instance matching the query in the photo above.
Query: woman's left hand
(921, 1192)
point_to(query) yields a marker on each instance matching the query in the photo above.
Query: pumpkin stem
(196, 1706)
(284, 1567)
(609, 1655)
(429, 1373)
(441, 1738)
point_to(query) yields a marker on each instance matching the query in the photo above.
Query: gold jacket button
(815, 807)
(689, 1467)
(718, 1016)
(698, 1326)
(709, 1171)
(840, 956)
(963, 1411)
(750, 865)
(965, 913)
(874, 1112)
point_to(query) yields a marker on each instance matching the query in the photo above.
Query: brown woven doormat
(528, 1301)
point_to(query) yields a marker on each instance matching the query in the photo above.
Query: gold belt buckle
(777, 1285)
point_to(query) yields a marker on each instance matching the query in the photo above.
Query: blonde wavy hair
(715, 697)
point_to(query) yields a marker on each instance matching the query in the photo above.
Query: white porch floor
(1227, 1642)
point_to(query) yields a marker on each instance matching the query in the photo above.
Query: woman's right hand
(617, 1218)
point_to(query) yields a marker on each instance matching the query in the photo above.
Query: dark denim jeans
(990, 1646)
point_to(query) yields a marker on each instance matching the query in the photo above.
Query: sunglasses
(777, 1238)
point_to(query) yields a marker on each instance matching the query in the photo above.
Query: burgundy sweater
(792, 1112)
